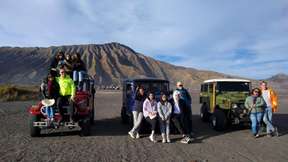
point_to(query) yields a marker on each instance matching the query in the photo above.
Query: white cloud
(207, 35)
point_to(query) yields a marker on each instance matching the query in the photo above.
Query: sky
(243, 38)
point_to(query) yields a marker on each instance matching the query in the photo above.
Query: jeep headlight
(234, 106)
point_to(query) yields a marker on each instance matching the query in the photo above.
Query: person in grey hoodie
(164, 109)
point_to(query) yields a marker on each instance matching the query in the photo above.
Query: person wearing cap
(67, 92)
(187, 112)
(179, 106)
(255, 104)
(271, 100)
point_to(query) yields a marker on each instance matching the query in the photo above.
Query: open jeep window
(204, 87)
(233, 86)
(159, 87)
(128, 89)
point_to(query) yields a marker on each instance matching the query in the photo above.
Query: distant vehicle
(223, 102)
(41, 117)
(129, 89)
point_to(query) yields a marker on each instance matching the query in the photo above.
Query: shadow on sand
(114, 127)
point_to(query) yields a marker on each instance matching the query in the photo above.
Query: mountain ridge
(108, 63)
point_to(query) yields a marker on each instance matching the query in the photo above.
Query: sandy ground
(109, 140)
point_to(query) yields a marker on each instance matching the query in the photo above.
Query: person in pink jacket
(150, 113)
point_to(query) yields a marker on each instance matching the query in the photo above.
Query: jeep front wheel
(34, 131)
(218, 120)
(85, 127)
(204, 114)
(124, 116)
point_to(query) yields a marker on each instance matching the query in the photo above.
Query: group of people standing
(261, 105)
(177, 109)
(59, 84)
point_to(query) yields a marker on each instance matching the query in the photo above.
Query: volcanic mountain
(108, 63)
(279, 82)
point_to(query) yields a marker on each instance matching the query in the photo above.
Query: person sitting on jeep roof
(255, 104)
(68, 64)
(56, 63)
(79, 70)
(67, 92)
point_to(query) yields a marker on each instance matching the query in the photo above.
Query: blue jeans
(165, 126)
(78, 75)
(256, 119)
(48, 110)
(268, 120)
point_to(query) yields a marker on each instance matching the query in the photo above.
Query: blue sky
(244, 37)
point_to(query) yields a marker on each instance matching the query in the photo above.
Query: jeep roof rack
(226, 80)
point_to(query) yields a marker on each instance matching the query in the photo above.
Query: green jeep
(223, 102)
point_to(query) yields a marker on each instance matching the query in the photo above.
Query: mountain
(108, 63)
(279, 78)
(279, 82)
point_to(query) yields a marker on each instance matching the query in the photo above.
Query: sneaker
(257, 136)
(269, 135)
(163, 140)
(152, 139)
(168, 140)
(137, 135)
(131, 134)
(188, 139)
(185, 140)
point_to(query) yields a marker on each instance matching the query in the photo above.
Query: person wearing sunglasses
(255, 105)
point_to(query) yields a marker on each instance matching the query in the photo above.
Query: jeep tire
(85, 127)
(34, 131)
(124, 116)
(218, 120)
(204, 114)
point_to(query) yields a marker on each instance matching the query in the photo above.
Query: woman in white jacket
(150, 113)
(164, 109)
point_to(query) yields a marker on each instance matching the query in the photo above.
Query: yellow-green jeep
(223, 102)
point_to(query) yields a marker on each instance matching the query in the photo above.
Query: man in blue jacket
(187, 116)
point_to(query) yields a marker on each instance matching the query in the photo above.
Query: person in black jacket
(178, 118)
(56, 63)
(68, 64)
(137, 111)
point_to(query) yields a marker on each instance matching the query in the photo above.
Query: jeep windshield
(233, 86)
(156, 87)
